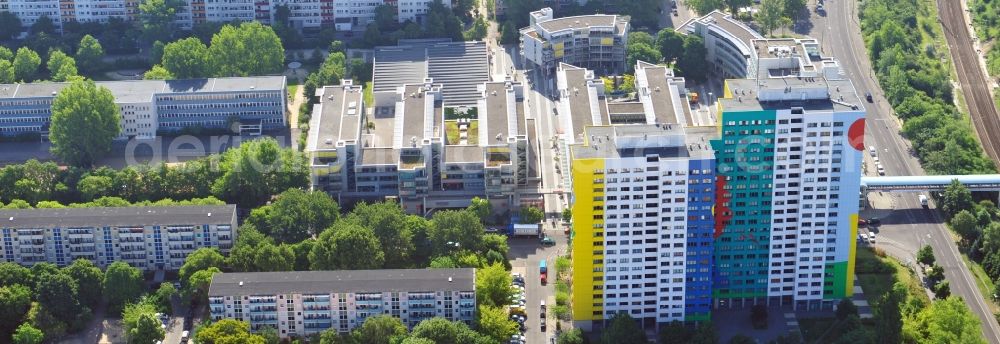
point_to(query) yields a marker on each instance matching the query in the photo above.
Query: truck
(923, 201)
(532, 229)
(543, 271)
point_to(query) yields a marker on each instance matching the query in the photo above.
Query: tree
(330, 72)
(12, 273)
(227, 331)
(347, 246)
(10, 25)
(161, 298)
(495, 323)
(296, 215)
(955, 198)
(15, 300)
(935, 274)
(122, 284)
(26, 63)
(147, 330)
(250, 49)
(270, 335)
(5, 53)
(574, 336)
(58, 295)
(567, 215)
(482, 208)
(530, 215)
(86, 274)
(6, 70)
(450, 227)
(388, 221)
(674, 332)
(133, 311)
(379, 329)
(197, 286)
(846, 308)
(89, 54)
(692, 63)
(771, 15)
(257, 169)
(95, 186)
(85, 119)
(944, 321)
(509, 33)
(758, 316)
(271, 257)
(965, 224)
(27, 334)
(441, 331)
(157, 72)
(156, 52)
(641, 52)
(61, 66)
(493, 286)
(186, 58)
(704, 6)
(623, 329)
(43, 24)
(942, 290)
(925, 255)
(991, 237)
(201, 259)
(157, 18)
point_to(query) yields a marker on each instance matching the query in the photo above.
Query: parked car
(874, 222)
(868, 97)
(548, 241)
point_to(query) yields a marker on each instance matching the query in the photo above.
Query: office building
(248, 105)
(420, 151)
(148, 238)
(729, 43)
(643, 179)
(302, 303)
(789, 165)
(592, 41)
(459, 68)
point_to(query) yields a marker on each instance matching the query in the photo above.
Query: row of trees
(986, 17)
(687, 53)
(440, 21)
(55, 301)
(978, 226)
(244, 50)
(23, 66)
(918, 85)
(247, 175)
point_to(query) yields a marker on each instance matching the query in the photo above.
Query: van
(871, 150)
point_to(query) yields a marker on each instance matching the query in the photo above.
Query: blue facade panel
(700, 226)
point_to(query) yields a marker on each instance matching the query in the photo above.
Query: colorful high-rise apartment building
(789, 171)
(680, 215)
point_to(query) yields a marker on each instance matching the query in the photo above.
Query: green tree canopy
(692, 63)
(493, 286)
(944, 321)
(450, 227)
(90, 277)
(623, 330)
(26, 64)
(495, 323)
(956, 197)
(388, 221)
(157, 72)
(966, 225)
(257, 169)
(227, 331)
(530, 215)
(6, 71)
(379, 329)
(925, 255)
(27, 334)
(441, 331)
(250, 49)
(10, 25)
(147, 330)
(186, 58)
(296, 215)
(85, 119)
(61, 66)
(347, 246)
(574, 336)
(89, 54)
(157, 18)
(58, 294)
(482, 208)
(201, 259)
(15, 300)
(12, 273)
(122, 284)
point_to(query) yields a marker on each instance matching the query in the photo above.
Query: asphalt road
(908, 225)
(526, 253)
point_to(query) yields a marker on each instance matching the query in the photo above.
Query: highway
(908, 225)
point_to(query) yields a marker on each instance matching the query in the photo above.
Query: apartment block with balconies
(303, 303)
(591, 41)
(149, 238)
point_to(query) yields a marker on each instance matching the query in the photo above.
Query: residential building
(420, 151)
(789, 165)
(729, 43)
(302, 303)
(249, 105)
(415, 10)
(590, 41)
(148, 238)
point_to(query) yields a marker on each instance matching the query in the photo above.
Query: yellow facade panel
(584, 286)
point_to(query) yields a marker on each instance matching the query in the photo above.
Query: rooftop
(501, 120)
(342, 281)
(380, 156)
(582, 98)
(732, 26)
(578, 22)
(457, 66)
(131, 91)
(656, 80)
(339, 117)
(636, 140)
(461, 154)
(117, 216)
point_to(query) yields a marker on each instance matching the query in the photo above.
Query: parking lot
(526, 254)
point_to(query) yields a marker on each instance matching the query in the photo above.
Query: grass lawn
(292, 89)
(877, 275)
(451, 132)
(982, 281)
(369, 96)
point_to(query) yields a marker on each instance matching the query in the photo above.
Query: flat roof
(379, 156)
(339, 117)
(462, 154)
(414, 114)
(636, 140)
(498, 113)
(117, 216)
(625, 108)
(579, 98)
(342, 281)
(132, 91)
(842, 96)
(733, 27)
(577, 22)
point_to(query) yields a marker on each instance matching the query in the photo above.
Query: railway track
(974, 84)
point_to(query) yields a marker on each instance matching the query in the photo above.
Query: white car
(881, 169)
(871, 237)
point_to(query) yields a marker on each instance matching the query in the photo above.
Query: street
(525, 253)
(908, 225)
